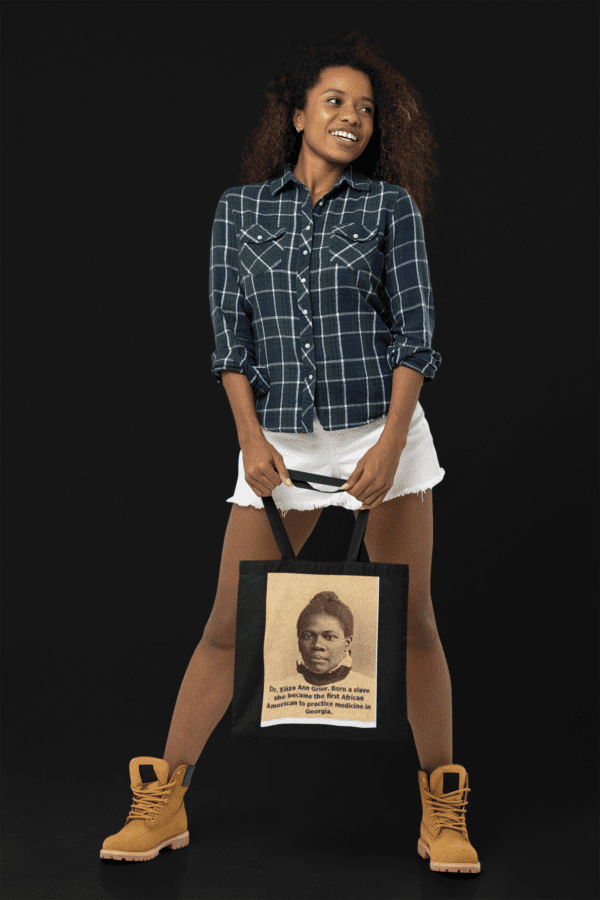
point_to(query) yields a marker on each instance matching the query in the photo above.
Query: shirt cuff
(258, 382)
(421, 359)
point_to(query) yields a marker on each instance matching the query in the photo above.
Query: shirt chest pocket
(357, 247)
(260, 250)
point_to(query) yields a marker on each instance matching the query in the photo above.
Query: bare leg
(429, 701)
(207, 687)
(401, 531)
(204, 695)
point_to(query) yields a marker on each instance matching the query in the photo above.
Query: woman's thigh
(249, 536)
(401, 531)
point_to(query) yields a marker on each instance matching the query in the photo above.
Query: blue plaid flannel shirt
(318, 306)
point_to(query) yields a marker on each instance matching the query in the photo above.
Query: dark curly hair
(329, 603)
(401, 148)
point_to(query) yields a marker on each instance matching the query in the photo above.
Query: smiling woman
(364, 95)
(323, 319)
(328, 127)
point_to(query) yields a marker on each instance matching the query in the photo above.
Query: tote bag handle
(300, 479)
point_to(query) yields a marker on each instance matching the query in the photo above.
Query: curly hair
(329, 603)
(401, 148)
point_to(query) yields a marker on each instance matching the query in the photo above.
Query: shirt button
(260, 237)
(307, 227)
(305, 252)
(355, 235)
(307, 345)
(310, 376)
(320, 203)
(303, 310)
(303, 279)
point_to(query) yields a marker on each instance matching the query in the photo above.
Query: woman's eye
(339, 101)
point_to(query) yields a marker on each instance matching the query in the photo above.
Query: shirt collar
(351, 175)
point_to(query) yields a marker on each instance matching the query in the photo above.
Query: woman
(325, 631)
(325, 678)
(323, 316)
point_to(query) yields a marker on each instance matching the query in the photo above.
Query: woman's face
(322, 643)
(342, 99)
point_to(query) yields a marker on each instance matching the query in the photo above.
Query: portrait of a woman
(325, 631)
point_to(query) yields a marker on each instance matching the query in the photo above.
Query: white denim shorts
(336, 453)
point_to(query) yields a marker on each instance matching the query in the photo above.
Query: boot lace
(146, 804)
(450, 810)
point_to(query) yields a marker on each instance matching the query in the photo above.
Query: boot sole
(423, 850)
(177, 842)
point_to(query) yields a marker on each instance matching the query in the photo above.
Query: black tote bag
(320, 647)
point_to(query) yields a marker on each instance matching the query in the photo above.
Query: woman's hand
(264, 467)
(375, 472)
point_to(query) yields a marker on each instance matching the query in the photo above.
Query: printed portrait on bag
(320, 650)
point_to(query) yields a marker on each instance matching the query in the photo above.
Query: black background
(123, 124)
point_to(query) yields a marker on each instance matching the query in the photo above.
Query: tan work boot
(444, 837)
(157, 817)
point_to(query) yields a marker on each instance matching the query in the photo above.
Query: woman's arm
(241, 398)
(406, 387)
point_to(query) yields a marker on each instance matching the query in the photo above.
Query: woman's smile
(347, 141)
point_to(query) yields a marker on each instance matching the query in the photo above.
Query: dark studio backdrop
(123, 125)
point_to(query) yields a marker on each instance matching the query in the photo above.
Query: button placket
(307, 228)
(306, 331)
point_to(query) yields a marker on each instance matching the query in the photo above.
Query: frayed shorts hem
(337, 453)
(351, 502)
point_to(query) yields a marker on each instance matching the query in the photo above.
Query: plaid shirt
(318, 306)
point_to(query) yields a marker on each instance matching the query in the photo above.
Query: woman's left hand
(375, 472)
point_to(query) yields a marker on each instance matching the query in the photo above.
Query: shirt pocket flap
(356, 232)
(258, 234)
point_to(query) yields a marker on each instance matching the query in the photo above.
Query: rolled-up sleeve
(408, 289)
(234, 343)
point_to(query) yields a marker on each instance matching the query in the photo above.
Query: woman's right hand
(264, 466)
